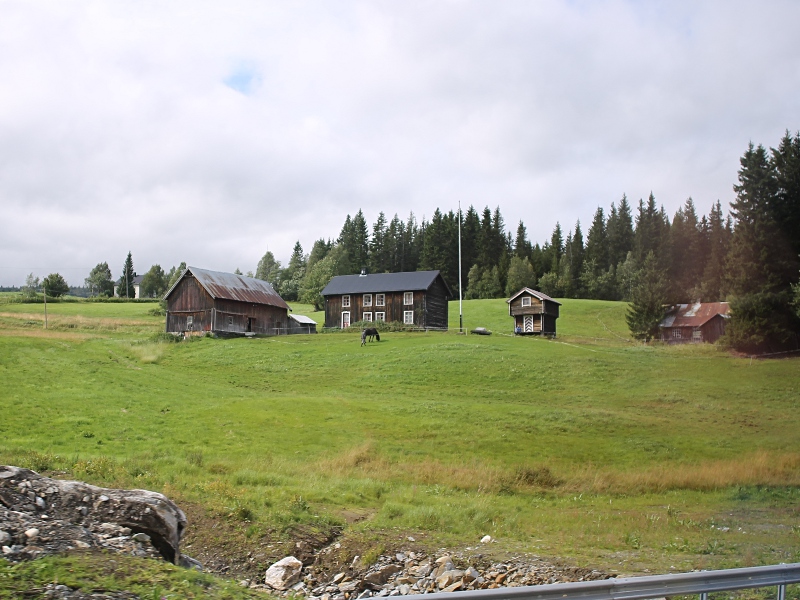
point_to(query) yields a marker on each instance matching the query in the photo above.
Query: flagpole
(460, 311)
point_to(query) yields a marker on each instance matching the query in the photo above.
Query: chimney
(363, 272)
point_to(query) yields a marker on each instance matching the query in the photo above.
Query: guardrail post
(704, 596)
(781, 592)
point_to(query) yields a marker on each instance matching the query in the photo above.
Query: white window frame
(367, 299)
(697, 335)
(526, 301)
(230, 320)
(380, 299)
(408, 317)
(346, 301)
(677, 334)
(408, 298)
(367, 317)
(380, 317)
(345, 312)
(189, 321)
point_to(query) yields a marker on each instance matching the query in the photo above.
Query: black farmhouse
(416, 298)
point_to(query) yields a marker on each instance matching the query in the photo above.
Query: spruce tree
(125, 284)
(648, 298)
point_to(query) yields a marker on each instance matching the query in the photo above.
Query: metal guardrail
(642, 588)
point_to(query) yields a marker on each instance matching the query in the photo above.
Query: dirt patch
(239, 550)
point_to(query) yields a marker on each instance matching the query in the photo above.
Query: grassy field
(589, 448)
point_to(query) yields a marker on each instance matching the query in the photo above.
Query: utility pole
(44, 287)
(460, 311)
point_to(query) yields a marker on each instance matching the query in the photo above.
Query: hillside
(589, 448)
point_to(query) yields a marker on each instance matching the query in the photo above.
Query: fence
(642, 588)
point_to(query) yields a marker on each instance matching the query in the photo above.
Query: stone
(448, 577)
(382, 575)
(453, 587)
(348, 586)
(471, 574)
(4, 537)
(32, 533)
(486, 539)
(283, 574)
(141, 537)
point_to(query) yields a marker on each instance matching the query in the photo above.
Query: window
(367, 299)
(189, 322)
(367, 317)
(230, 320)
(346, 301)
(380, 299)
(346, 319)
(380, 317)
(526, 301)
(697, 335)
(408, 298)
(676, 333)
(408, 317)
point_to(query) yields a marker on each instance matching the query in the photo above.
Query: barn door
(345, 319)
(527, 325)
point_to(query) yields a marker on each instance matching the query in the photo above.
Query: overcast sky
(209, 132)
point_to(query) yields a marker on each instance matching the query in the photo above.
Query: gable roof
(409, 281)
(534, 293)
(229, 286)
(694, 315)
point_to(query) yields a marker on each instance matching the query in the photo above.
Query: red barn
(698, 322)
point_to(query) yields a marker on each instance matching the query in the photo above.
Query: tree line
(635, 253)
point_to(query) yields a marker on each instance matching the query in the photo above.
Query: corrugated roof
(409, 281)
(694, 315)
(229, 286)
(302, 319)
(539, 295)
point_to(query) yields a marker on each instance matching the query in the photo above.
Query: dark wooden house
(698, 322)
(224, 303)
(415, 298)
(534, 313)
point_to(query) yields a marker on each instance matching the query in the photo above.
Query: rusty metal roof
(229, 286)
(694, 315)
(539, 295)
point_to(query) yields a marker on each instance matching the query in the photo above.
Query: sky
(211, 132)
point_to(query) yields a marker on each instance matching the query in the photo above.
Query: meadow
(589, 448)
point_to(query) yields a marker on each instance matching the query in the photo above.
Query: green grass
(589, 447)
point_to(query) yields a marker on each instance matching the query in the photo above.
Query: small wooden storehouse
(698, 322)
(416, 298)
(534, 313)
(225, 304)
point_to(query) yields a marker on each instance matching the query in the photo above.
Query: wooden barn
(225, 304)
(415, 298)
(698, 322)
(534, 313)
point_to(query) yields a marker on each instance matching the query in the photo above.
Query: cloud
(196, 132)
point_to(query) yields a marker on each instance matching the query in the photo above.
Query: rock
(348, 586)
(73, 518)
(283, 573)
(471, 574)
(141, 537)
(486, 539)
(4, 537)
(382, 575)
(448, 577)
(453, 587)
(32, 533)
